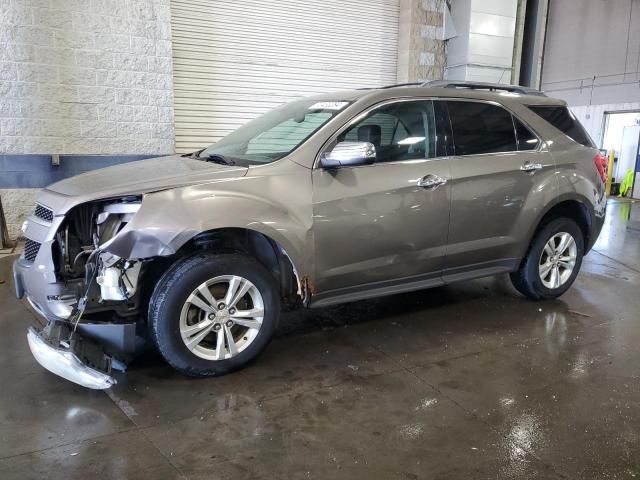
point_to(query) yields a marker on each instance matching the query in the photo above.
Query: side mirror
(349, 154)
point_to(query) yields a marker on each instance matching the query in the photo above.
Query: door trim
(478, 270)
(377, 289)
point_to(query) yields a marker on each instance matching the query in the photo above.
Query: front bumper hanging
(73, 357)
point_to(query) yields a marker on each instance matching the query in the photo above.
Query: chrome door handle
(531, 167)
(431, 181)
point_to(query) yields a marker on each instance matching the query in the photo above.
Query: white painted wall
(592, 52)
(483, 48)
(592, 58)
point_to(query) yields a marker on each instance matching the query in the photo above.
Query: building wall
(91, 81)
(422, 53)
(80, 77)
(482, 50)
(592, 57)
(592, 116)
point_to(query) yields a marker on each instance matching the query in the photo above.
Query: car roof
(444, 89)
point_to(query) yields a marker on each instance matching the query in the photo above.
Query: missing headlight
(88, 226)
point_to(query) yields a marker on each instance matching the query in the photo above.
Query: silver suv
(328, 199)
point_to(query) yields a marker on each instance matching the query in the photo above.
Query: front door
(379, 225)
(497, 163)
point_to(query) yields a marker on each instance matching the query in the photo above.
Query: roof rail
(410, 84)
(492, 87)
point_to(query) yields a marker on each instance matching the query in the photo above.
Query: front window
(398, 131)
(274, 134)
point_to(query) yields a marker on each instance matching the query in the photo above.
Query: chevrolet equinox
(328, 199)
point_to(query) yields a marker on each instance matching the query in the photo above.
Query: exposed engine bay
(100, 298)
(101, 281)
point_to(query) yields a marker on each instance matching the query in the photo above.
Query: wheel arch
(258, 245)
(573, 207)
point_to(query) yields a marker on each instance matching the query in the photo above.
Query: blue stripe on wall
(36, 171)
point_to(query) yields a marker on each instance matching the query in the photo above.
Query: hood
(144, 176)
(138, 177)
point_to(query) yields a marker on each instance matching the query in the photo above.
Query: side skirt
(479, 270)
(410, 284)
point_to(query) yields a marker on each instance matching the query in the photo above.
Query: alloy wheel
(557, 260)
(221, 317)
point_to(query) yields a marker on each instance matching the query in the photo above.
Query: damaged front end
(90, 298)
(70, 356)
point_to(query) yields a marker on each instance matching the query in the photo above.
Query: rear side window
(480, 128)
(526, 138)
(563, 120)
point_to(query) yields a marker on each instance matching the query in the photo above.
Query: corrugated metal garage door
(233, 60)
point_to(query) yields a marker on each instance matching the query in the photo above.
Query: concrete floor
(465, 381)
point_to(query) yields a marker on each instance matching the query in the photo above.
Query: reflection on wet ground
(465, 381)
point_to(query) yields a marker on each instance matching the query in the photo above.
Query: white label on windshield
(328, 106)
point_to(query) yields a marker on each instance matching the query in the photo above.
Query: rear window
(563, 120)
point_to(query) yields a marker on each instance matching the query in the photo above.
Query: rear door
(497, 159)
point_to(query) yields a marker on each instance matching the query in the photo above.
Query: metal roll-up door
(234, 60)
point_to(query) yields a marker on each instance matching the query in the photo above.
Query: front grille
(31, 250)
(43, 213)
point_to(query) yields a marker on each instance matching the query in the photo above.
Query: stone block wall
(422, 53)
(17, 204)
(83, 77)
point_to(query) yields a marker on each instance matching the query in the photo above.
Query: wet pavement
(464, 381)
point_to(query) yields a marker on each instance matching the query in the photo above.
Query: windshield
(274, 134)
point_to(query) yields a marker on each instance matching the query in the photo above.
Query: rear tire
(211, 314)
(552, 262)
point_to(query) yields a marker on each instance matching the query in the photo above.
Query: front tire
(211, 314)
(552, 262)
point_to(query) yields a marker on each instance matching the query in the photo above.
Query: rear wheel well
(574, 210)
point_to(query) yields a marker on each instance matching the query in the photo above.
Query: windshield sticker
(328, 106)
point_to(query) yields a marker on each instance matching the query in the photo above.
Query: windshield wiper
(217, 158)
(214, 157)
(195, 154)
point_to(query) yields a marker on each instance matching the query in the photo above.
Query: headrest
(416, 129)
(371, 134)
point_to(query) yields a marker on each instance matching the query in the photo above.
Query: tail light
(602, 165)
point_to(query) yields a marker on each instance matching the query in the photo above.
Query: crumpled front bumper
(38, 283)
(77, 360)
(83, 361)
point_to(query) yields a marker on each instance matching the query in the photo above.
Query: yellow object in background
(610, 172)
(626, 184)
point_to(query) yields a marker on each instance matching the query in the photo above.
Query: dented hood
(132, 178)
